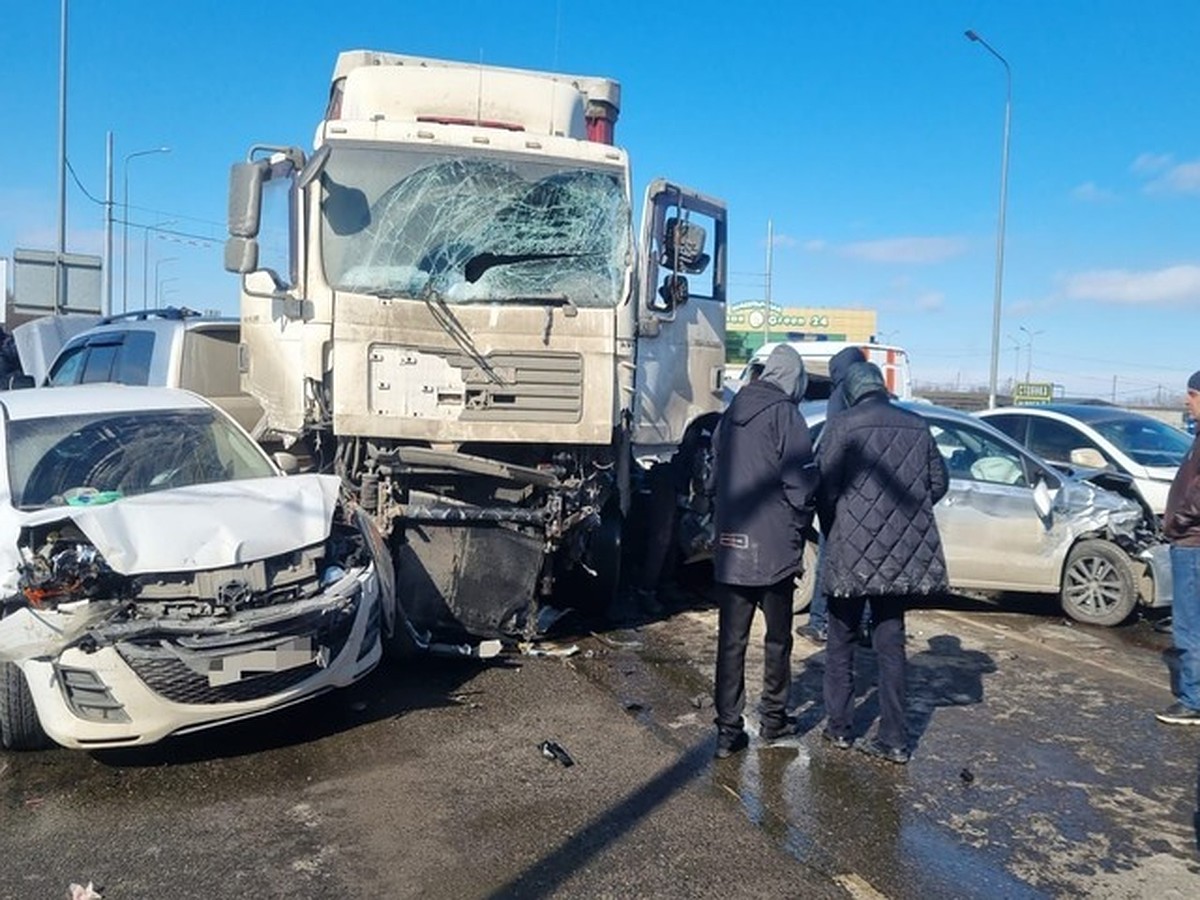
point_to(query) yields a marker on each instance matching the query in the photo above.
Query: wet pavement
(1038, 771)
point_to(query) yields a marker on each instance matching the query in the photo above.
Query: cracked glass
(473, 230)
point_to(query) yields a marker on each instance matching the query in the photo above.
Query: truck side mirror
(683, 247)
(241, 255)
(672, 294)
(245, 197)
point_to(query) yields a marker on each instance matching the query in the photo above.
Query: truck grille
(498, 387)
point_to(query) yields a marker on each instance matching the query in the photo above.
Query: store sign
(1030, 393)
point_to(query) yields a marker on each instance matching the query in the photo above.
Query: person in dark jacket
(881, 474)
(763, 478)
(818, 615)
(1181, 524)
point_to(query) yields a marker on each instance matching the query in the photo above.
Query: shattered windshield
(89, 459)
(407, 223)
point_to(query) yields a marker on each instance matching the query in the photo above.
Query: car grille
(161, 666)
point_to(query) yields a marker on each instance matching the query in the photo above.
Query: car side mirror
(287, 462)
(1088, 457)
(1043, 501)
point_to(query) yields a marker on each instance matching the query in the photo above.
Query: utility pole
(106, 306)
(767, 285)
(60, 271)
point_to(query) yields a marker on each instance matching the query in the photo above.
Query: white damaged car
(159, 574)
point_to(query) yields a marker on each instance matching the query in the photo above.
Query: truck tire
(1098, 587)
(20, 728)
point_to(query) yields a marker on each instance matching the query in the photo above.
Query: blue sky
(868, 133)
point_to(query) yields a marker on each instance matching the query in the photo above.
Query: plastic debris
(528, 649)
(702, 701)
(82, 892)
(555, 750)
(967, 776)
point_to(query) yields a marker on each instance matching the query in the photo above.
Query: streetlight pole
(60, 272)
(106, 305)
(125, 226)
(158, 284)
(1029, 350)
(972, 36)
(158, 289)
(767, 284)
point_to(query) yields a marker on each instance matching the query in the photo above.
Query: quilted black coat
(881, 475)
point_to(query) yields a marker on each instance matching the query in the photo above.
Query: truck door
(680, 355)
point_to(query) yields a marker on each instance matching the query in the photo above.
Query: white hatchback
(161, 575)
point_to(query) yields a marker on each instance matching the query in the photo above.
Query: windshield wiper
(481, 262)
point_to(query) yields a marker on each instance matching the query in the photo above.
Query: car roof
(1083, 412)
(814, 410)
(43, 402)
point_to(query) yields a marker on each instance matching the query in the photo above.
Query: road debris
(528, 649)
(617, 645)
(81, 892)
(702, 701)
(555, 750)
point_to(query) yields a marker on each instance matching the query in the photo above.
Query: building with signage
(749, 325)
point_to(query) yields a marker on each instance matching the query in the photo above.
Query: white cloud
(1150, 163)
(816, 245)
(916, 250)
(931, 300)
(783, 240)
(1172, 285)
(1090, 192)
(1181, 179)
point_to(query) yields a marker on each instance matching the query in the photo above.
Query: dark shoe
(1178, 714)
(774, 731)
(727, 746)
(872, 747)
(842, 743)
(816, 635)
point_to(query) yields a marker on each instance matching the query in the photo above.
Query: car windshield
(85, 459)
(1146, 441)
(407, 223)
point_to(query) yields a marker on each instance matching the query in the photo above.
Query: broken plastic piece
(555, 750)
(80, 892)
(528, 649)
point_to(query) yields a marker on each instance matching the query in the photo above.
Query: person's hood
(783, 380)
(785, 369)
(862, 380)
(841, 362)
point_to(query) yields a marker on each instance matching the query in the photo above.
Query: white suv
(162, 348)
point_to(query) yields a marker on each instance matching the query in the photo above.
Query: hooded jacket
(881, 474)
(763, 477)
(839, 364)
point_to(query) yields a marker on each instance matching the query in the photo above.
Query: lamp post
(146, 258)
(158, 289)
(1029, 335)
(125, 226)
(158, 284)
(60, 272)
(972, 36)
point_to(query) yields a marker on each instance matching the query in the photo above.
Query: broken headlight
(59, 565)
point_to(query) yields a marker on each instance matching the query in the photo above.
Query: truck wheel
(603, 556)
(20, 728)
(802, 594)
(1097, 585)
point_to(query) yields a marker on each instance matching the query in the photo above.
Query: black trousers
(737, 605)
(887, 638)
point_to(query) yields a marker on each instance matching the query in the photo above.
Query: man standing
(881, 474)
(1181, 524)
(763, 479)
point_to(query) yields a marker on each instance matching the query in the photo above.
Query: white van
(892, 361)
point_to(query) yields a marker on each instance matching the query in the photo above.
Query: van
(892, 362)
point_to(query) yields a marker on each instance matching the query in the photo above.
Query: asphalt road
(1038, 771)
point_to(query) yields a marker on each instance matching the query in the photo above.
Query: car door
(992, 534)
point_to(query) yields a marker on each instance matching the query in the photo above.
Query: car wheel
(1098, 586)
(20, 728)
(802, 594)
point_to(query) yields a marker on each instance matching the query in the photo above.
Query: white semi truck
(447, 304)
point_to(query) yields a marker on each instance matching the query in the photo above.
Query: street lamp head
(971, 35)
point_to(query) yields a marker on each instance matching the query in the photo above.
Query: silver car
(1011, 522)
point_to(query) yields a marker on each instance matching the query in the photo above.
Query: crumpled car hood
(1089, 507)
(194, 528)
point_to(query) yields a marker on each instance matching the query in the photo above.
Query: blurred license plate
(290, 655)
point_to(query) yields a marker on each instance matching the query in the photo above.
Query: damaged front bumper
(102, 684)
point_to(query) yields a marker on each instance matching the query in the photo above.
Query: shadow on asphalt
(389, 692)
(944, 674)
